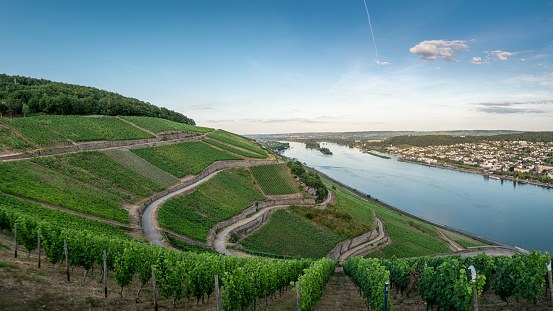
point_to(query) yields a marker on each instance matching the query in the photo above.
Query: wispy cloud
(201, 107)
(382, 63)
(501, 55)
(512, 107)
(439, 49)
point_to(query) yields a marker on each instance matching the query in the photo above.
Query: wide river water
(515, 213)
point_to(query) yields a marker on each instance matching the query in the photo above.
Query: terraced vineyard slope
(274, 179)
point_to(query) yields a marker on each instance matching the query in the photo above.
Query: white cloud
(477, 61)
(382, 63)
(439, 49)
(502, 55)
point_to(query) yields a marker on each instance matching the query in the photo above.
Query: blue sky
(300, 66)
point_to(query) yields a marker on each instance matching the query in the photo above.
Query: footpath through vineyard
(340, 294)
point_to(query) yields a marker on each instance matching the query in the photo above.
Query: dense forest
(437, 140)
(23, 96)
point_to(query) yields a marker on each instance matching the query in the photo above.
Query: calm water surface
(519, 214)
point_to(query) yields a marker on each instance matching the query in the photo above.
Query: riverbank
(378, 202)
(478, 172)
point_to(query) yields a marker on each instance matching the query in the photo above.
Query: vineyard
(193, 215)
(50, 130)
(289, 234)
(182, 159)
(35, 130)
(9, 140)
(31, 180)
(234, 150)
(177, 274)
(236, 140)
(233, 188)
(100, 182)
(158, 125)
(141, 166)
(274, 179)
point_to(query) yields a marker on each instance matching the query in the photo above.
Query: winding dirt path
(150, 223)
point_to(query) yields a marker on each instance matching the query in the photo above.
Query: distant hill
(24, 95)
(437, 140)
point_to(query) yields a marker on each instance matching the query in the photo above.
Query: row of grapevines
(370, 275)
(193, 214)
(226, 138)
(178, 274)
(12, 141)
(313, 282)
(522, 277)
(448, 287)
(274, 179)
(182, 159)
(157, 125)
(35, 130)
(28, 179)
(231, 187)
(234, 150)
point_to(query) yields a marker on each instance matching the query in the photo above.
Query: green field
(234, 150)
(236, 140)
(184, 158)
(158, 125)
(9, 140)
(274, 179)
(232, 187)
(46, 130)
(141, 166)
(193, 215)
(31, 180)
(289, 234)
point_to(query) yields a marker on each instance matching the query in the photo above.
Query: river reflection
(515, 213)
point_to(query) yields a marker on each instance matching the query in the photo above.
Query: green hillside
(24, 96)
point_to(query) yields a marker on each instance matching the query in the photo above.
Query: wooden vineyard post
(105, 276)
(217, 293)
(549, 278)
(66, 259)
(15, 234)
(155, 289)
(298, 295)
(38, 243)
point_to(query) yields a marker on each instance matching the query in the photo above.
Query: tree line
(24, 95)
(444, 140)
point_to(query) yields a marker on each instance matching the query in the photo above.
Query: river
(515, 213)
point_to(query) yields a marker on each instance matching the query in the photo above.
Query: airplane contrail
(374, 41)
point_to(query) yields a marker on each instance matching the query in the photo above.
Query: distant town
(518, 160)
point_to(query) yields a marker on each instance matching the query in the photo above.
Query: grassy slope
(410, 238)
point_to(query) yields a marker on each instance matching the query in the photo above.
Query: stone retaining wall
(131, 144)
